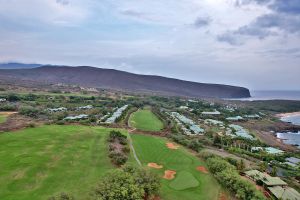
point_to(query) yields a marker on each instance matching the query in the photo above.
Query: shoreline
(291, 114)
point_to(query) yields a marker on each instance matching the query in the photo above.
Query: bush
(13, 97)
(228, 176)
(29, 111)
(8, 107)
(117, 155)
(31, 125)
(128, 183)
(62, 196)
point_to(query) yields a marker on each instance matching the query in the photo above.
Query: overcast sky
(251, 43)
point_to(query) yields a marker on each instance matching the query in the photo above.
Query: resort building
(211, 113)
(274, 185)
(292, 161)
(78, 117)
(236, 118)
(2, 100)
(88, 107)
(61, 109)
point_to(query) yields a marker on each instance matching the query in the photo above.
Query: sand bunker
(172, 146)
(202, 169)
(154, 165)
(169, 174)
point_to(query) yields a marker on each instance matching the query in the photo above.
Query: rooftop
(284, 193)
(265, 178)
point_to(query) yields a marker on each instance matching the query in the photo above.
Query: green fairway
(189, 184)
(145, 120)
(38, 162)
(2, 118)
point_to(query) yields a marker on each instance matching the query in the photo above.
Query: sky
(250, 43)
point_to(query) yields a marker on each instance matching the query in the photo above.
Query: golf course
(39, 162)
(2, 118)
(188, 182)
(145, 120)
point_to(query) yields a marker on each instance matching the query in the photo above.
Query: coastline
(291, 114)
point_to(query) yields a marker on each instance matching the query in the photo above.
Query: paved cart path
(132, 148)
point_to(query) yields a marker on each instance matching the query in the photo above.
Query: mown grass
(189, 184)
(145, 120)
(36, 163)
(2, 118)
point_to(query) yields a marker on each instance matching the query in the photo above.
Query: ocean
(291, 138)
(272, 95)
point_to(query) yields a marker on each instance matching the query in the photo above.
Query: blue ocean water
(272, 95)
(291, 138)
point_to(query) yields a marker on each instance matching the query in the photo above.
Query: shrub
(62, 196)
(8, 107)
(228, 176)
(117, 155)
(29, 111)
(31, 125)
(128, 183)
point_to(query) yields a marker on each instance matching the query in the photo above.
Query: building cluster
(188, 126)
(61, 109)
(77, 117)
(116, 115)
(2, 100)
(276, 187)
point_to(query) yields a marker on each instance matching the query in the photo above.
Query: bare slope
(119, 80)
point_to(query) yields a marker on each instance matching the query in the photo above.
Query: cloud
(159, 37)
(63, 2)
(201, 22)
(284, 18)
(286, 6)
(247, 2)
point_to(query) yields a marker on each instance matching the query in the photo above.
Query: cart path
(132, 148)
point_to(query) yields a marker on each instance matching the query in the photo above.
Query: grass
(145, 120)
(2, 118)
(38, 162)
(189, 183)
(184, 180)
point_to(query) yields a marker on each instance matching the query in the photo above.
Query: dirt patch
(202, 169)
(154, 165)
(16, 122)
(172, 146)
(19, 174)
(222, 196)
(169, 174)
(8, 113)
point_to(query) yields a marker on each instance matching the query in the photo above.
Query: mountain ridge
(88, 76)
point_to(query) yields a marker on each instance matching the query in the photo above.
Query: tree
(241, 165)
(274, 171)
(128, 183)
(13, 97)
(263, 166)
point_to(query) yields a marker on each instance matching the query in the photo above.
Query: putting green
(145, 120)
(188, 184)
(184, 180)
(36, 163)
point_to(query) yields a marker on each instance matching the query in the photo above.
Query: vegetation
(226, 173)
(145, 120)
(2, 118)
(118, 148)
(39, 162)
(129, 183)
(200, 186)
